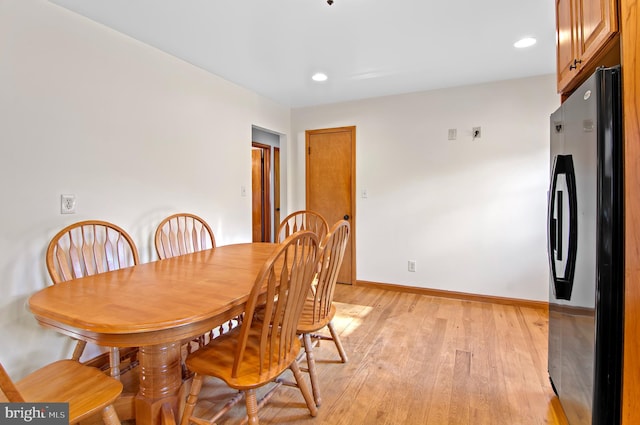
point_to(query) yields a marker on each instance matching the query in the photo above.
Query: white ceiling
(368, 48)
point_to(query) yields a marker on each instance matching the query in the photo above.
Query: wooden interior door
(331, 182)
(261, 192)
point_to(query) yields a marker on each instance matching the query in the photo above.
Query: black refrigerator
(586, 251)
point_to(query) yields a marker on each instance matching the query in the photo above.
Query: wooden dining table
(155, 306)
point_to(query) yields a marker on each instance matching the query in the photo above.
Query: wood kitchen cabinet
(585, 28)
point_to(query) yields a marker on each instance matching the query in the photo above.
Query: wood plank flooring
(418, 359)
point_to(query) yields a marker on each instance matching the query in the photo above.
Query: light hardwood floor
(418, 359)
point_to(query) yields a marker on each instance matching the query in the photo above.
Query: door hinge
(309, 150)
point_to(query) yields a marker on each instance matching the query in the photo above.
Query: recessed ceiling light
(524, 42)
(319, 76)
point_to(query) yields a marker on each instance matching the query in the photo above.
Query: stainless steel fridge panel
(572, 316)
(585, 317)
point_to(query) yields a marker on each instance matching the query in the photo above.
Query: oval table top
(155, 302)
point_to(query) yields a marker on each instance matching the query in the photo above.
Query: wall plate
(67, 204)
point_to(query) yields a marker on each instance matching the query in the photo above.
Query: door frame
(352, 220)
(276, 189)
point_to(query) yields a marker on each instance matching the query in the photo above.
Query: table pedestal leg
(160, 381)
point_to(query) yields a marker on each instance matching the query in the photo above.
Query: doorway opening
(265, 184)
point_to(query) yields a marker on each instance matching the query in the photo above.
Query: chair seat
(217, 357)
(86, 389)
(307, 323)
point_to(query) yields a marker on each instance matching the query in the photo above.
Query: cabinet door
(583, 29)
(567, 44)
(596, 25)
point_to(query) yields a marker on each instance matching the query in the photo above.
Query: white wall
(471, 213)
(134, 133)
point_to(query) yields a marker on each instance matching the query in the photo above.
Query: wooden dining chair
(256, 353)
(319, 310)
(183, 233)
(86, 248)
(303, 220)
(87, 390)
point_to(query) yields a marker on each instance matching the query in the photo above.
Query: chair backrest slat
(121, 250)
(76, 254)
(65, 270)
(107, 249)
(182, 235)
(201, 236)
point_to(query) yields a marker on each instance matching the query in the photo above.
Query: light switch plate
(411, 265)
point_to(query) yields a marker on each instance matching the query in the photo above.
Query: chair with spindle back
(303, 220)
(318, 311)
(87, 390)
(183, 233)
(261, 349)
(86, 248)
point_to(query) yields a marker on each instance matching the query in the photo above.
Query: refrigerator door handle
(553, 234)
(562, 284)
(560, 203)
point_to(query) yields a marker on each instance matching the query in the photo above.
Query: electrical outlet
(67, 204)
(411, 266)
(452, 134)
(476, 132)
